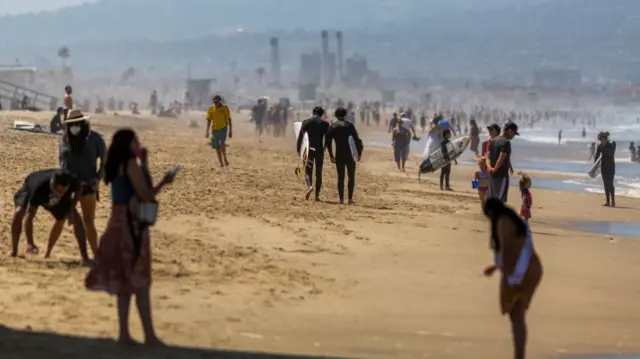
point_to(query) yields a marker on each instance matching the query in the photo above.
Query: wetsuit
(316, 129)
(340, 131)
(608, 169)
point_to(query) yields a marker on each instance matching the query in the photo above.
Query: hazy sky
(22, 6)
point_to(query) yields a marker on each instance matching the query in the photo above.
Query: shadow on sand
(23, 344)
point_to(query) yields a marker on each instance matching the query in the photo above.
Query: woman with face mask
(123, 261)
(80, 150)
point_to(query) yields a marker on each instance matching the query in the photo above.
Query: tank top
(121, 189)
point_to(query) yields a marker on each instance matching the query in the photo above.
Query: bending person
(316, 128)
(58, 192)
(340, 131)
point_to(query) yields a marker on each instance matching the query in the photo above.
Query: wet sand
(242, 262)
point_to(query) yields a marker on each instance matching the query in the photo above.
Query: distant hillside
(595, 36)
(161, 20)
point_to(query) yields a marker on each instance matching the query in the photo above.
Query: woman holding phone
(123, 262)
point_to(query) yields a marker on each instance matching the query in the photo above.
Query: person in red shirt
(494, 130)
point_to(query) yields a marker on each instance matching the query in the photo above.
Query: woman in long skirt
(123, 261)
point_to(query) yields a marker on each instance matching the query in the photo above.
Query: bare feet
(308, 194)
(351, 202)
(32, 249)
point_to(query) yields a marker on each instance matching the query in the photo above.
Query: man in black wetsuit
(607, 149)
(340, 131)
(316, 128)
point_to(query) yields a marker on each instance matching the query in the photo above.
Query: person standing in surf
(520, 265)
(220, 125)
(499, 162)
(607, 149)
(316, 128)
(80, 150)
(340, 131)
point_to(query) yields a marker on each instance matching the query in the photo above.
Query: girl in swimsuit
(519, 264)
(525, 194)
(482, 177)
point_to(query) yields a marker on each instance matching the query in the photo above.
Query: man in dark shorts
(499, 162)
(57, 191)
(80, 150)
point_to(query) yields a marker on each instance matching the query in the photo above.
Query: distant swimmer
(316, 128)
(57, 191)
(340, 131)
(633, 154)
(516, 258)
(592, 151)
(584, 132)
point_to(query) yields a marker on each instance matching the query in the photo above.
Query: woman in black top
(607, 149)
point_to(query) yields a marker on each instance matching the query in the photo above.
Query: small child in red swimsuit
(525, 195)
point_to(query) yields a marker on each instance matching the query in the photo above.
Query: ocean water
(537, 149)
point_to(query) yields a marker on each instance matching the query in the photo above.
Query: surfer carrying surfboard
(346, 137)
(316, 129)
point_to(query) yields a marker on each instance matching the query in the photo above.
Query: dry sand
(242, 262)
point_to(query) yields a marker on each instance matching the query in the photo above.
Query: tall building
(310, 69)
(357, 69)
(275, 60)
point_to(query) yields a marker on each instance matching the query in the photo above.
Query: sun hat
(75, 115)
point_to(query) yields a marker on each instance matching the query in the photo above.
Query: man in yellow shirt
(219, 121)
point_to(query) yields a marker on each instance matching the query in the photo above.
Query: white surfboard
(304, 148)
(353, 148)
(436, 160)
(595, 170)
(23, 125)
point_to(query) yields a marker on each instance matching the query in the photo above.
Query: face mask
(75, 130)
(136, 152)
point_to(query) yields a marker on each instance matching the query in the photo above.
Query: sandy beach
(242, 262)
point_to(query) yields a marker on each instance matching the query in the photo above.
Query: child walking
(482, 178)
(525, 195)
(445, 172)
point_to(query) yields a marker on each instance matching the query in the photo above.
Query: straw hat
(75, 115)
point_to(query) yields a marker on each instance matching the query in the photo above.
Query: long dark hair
(494, 209)
(119, 153)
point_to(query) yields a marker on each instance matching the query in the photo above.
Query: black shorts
(60, 211)
(87, 189)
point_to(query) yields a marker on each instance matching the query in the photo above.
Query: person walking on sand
(400, 140)
(68, 101)
(340, 131)
(316, 128)
(499, 162)
(607, 149)
(520, 265)
(220, 125)
(57, 191)
(80, 150)
(123, 262)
